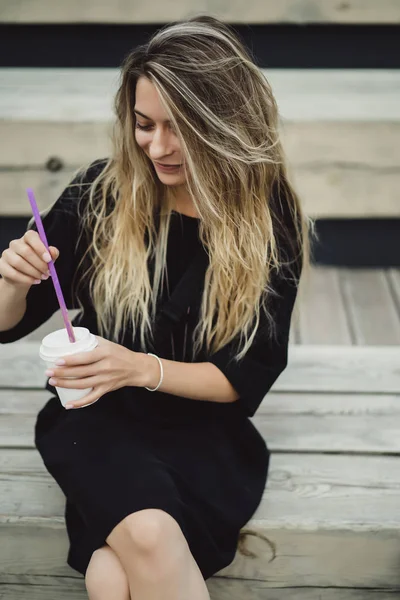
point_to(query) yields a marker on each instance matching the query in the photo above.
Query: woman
(188, 275)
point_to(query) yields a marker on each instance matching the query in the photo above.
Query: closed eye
(143, 127)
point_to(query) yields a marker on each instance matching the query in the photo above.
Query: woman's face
(155, 135)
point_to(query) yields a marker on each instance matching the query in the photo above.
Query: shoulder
(76, 193)
(85, 176)
(87, 173)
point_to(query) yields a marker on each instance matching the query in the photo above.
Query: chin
(170, 179)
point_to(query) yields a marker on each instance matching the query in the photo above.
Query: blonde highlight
(236, 175)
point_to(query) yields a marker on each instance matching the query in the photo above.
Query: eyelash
(143, 127)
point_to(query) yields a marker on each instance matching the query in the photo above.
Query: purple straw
(52, 269)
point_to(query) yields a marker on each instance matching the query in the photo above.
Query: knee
(149, 532)
(105, 577)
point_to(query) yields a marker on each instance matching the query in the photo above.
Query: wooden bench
(328, 527)
(268, 11)
(340, 128)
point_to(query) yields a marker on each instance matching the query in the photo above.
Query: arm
(12, 305)
(24, 309)
(197, 381)
(21, 265)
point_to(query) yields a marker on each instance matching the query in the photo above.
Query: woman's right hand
(25, 261)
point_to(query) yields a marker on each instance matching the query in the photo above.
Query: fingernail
(49, 373)
(67, 406)
(46, 256)
(37, 281)
(44, 277)
(60, 362)
(52, 381)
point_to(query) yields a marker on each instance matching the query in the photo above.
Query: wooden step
(335, 306)
(340, 129)
(328, 524)
(327, 521)
(312, 369)
(268, 11)
(291, 422)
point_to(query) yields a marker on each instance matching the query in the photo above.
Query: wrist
(14, 292)
(150, 371)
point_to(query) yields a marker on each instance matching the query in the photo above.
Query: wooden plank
(311, 368)
(85, 95)
(334, 185)
(350, 144)
(220, 588)
(329, 526)
(341, 369)
(64, 590)
(269, 11)
(227, 589)
(21, 366)
(345, 193)
(334, 483)
(322, 313)
(370, 306)
(334, 192)
(47, 185)
(327, 423)
(336, 124)
(393, 277)
(282, 404)
(28, 402)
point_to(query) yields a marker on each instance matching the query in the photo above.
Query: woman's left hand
(108, 367)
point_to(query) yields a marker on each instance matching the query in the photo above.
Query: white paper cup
(55, 345)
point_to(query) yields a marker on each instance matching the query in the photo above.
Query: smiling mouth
(161, 165)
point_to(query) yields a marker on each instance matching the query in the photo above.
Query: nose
(159, 146)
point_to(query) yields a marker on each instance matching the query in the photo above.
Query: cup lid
(57, 343)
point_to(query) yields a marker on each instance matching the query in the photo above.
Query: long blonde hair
(226, 120)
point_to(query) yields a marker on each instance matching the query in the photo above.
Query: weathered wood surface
(304, 491)
(328, 190)
(320, 513)
(219, 588)
(372, 309)
(85, 95)
(330, 423)
(341, 131)
(393, 276)
(322, 315)
(344, 369)
(268, 11)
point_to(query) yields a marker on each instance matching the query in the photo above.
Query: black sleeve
(61, 225)
(266, 359)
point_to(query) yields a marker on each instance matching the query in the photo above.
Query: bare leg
(105, 577)
(156, 558)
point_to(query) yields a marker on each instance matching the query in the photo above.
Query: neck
(184, 204)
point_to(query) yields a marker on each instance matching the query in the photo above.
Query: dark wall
(273, 46)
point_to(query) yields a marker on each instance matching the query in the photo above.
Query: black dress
(203, 462)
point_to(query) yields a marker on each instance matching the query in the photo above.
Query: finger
(15, 276)
(55, 253)
(23, 262)
(81, 358)
(74, 384)
(32, 239)
(88, 399)
(80, 372)
(23, 249)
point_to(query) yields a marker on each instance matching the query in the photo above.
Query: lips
(162, 165)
